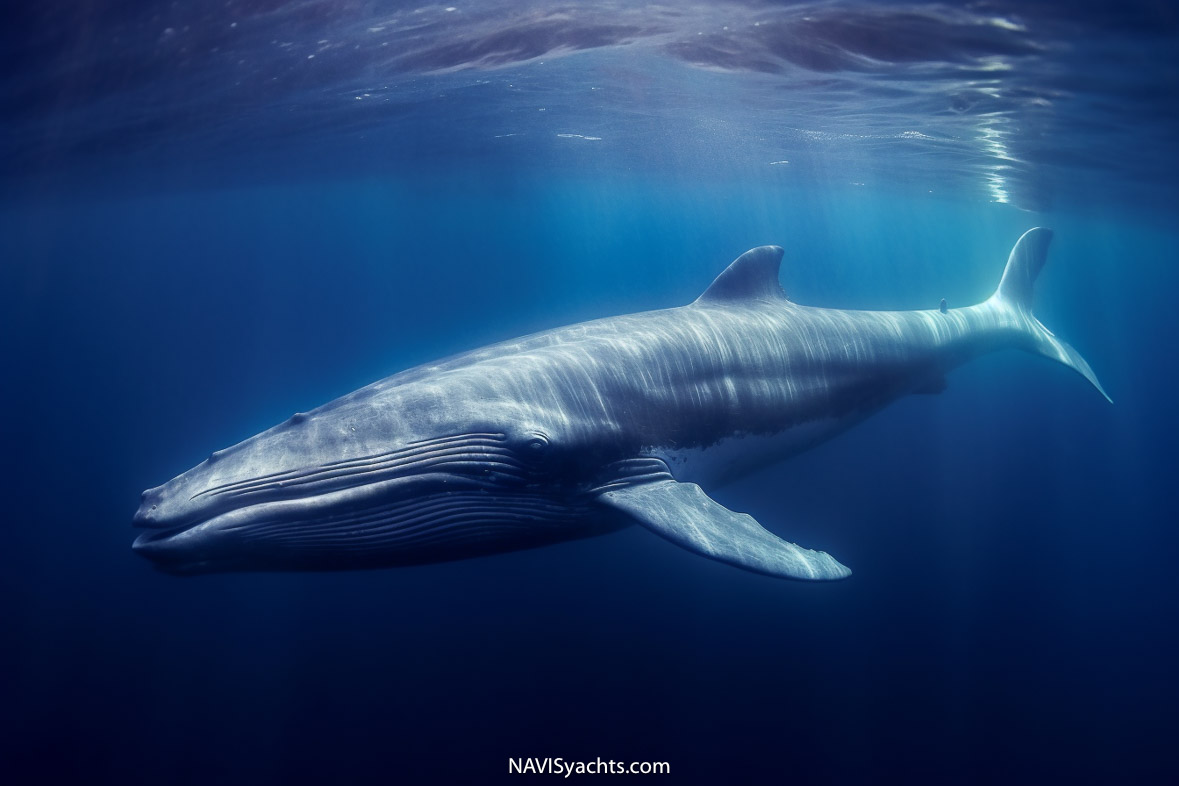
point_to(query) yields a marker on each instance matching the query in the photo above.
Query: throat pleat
(409, 527)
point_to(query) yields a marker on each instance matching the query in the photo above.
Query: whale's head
(351, 487)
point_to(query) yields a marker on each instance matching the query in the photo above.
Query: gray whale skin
(581, 430)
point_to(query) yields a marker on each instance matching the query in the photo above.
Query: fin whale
(581, 430)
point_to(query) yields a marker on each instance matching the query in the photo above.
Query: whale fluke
(1016, 292)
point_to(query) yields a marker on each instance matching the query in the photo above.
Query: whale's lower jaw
(438, 527)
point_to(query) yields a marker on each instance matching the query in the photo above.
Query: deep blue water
(199, 235)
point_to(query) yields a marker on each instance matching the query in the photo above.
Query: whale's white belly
(741, 454)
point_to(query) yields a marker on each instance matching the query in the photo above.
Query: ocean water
(215, 215)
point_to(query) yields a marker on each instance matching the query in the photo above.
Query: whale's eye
(536, 446)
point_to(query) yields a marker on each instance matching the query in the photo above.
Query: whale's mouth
(481, 457)
(424, 518)
(291, 510)
(144, 542)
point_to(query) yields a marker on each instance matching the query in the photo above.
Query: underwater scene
(707, 392)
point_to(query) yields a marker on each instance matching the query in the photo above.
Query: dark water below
(205, 230)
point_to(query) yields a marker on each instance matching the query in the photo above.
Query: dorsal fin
(752, 276)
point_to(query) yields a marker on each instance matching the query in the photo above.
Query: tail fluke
(1015, 292)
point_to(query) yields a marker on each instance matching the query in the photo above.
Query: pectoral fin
(685, 515)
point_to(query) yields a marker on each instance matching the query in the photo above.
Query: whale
(583, 430)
